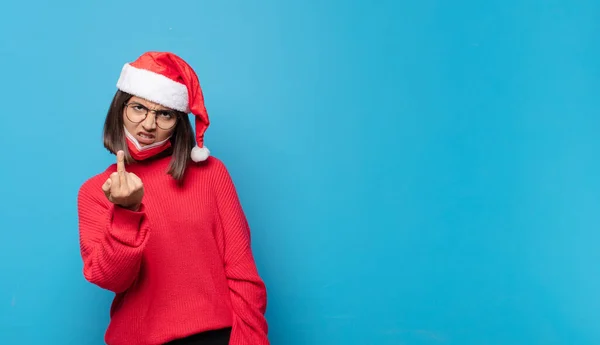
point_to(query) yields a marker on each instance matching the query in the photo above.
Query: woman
(163, 227)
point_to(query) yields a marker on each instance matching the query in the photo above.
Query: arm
(112, 240)
(247, 290)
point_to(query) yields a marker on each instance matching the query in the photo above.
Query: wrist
(134, 208)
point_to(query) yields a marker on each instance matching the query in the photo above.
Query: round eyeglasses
(136, 113)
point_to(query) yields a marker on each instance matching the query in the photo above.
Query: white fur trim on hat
(153, 87)
(200, 154)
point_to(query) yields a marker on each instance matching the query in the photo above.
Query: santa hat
(166, 79)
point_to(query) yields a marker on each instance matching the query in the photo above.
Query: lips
(145, 138)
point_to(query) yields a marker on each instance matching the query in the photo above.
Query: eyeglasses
(136, 113)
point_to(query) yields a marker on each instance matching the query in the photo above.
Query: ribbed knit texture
(180, 265)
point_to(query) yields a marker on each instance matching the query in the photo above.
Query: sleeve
(112, 240)
(247, 289)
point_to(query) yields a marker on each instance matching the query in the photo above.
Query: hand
(123, 188)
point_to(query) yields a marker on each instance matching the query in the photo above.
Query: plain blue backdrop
(414, 172)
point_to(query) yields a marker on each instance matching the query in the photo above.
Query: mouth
(145, 138)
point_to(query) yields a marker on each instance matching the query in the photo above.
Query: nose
(149, 124)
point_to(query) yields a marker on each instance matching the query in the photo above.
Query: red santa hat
(166, 79)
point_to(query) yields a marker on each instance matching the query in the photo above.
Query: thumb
(106, 186)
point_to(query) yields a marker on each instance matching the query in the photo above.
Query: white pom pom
(200, 154)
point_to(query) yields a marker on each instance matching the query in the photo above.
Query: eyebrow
(145, 106)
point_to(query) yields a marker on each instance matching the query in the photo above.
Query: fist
(123, 188)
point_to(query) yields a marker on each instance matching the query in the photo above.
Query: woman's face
(156, 126)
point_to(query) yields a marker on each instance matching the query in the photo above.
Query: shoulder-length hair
(182, 140)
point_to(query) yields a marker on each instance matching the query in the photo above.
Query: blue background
(415, 172)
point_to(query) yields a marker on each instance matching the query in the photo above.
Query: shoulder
(211, 165)
(212, 169)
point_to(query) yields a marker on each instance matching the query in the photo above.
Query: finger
(121, 167)
(106, 185)
(135, 184)
(114, 180)
(135, 180)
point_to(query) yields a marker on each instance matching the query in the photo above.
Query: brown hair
(182, 140)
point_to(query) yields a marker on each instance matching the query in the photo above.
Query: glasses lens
(135, 113)
(166, 120)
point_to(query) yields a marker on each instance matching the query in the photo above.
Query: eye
(138, 107)
(165, 114)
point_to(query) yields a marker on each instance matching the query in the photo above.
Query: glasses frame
(126, 105)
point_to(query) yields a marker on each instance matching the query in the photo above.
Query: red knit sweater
(181, 265)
